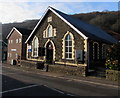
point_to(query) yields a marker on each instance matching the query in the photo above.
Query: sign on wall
(79, 55)
(29, 48)
(13, 49)
(41, 51)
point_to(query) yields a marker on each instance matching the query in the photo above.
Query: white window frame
(11, 41)
(8, 54)
(16, 55)
(63, 47)
(68, 46)
(49, 31)
(16, 40)
(19, 40)
(37, 45)
(49, 18)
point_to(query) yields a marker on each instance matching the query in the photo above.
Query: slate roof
(83, 28)
(1, 41)
(24, 31)
(21, 31)
(89, 30)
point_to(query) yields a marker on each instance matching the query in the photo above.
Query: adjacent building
(61, 39)
(3, 50)
(16, 44)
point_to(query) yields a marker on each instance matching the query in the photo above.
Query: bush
(113, 57)
(112, 64)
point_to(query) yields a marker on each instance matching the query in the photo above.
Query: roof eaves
(72, 26)
(50, 8)
(12, 31)
(37, 25)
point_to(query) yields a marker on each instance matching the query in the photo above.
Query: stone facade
(92, 50)
(61, 29)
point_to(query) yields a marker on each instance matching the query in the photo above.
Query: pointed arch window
(49, 31)
(95, 51)
(103, 51)
(68, 47)
(35, 47)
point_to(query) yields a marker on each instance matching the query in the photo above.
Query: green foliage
(28, 24)
(113, 57)
(106, 20)
(115, 27)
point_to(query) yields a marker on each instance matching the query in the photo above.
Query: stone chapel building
(61, 39)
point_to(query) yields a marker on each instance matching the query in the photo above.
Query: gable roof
(21, 31)
(1, 41)
(84, 29)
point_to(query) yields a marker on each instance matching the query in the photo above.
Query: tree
(113, 57)
(115, 27)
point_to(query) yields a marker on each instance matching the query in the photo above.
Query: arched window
(49, 31)
(68, 47)
(95, 51)
(103, 51)
(35, 47)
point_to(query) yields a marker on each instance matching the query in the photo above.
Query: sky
(18, 11)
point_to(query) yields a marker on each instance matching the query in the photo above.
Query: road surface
(21, 83)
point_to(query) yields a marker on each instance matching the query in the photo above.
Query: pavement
(16, 79)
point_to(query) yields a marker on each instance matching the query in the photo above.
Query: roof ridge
(78, 25)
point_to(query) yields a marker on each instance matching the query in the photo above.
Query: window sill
(50, 37)
(35, 56)
(68, 59)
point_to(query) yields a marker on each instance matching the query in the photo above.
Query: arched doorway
(49, 53)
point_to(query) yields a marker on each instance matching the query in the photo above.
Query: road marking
(9, 73)
(90, 82)
(54, 89)
(70, 95)
(58, 91)
(18, 89)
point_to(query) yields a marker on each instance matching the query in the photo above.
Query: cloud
(59, 1)
(11, 12)
(20, 11)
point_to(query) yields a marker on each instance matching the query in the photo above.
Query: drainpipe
(88, 55)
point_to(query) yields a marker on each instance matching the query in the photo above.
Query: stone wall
(28, 64)
(113, 75)
(61, 69)
(68, 70)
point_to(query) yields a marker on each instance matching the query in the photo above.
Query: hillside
(28, 24)
(105, 20)
(108, 21)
